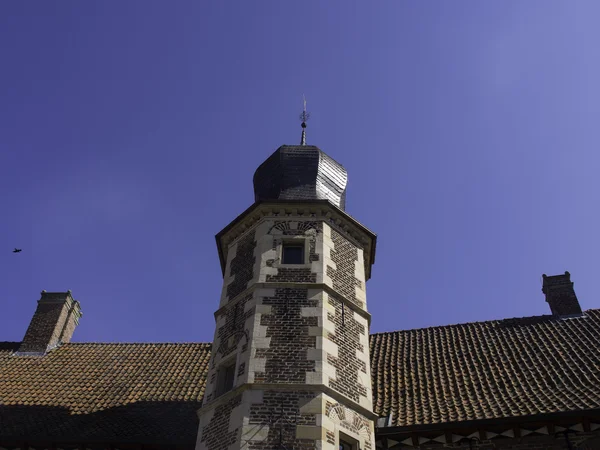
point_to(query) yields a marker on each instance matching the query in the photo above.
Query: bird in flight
(17, 250)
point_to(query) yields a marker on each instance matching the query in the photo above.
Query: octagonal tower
(290, 365)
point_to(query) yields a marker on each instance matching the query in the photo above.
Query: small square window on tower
(293, 253)
(347, 443)
(344, 445)
(225, 378)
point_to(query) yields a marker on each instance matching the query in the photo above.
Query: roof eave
(487, 423)
(325, 203)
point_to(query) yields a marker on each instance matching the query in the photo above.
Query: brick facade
(241, 268)
(281, 412)
(560, 295)
(288, 332)
(345, 257)
(231, 330)
(282, 229)
(220, 433)
(298, 337)
(352, 378)
(53, 323)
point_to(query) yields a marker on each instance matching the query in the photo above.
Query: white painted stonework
(249, 363)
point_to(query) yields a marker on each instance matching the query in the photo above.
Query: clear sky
(130, 131)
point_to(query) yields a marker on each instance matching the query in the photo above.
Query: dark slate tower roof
(301, 172)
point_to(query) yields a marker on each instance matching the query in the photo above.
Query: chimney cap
(566, 273)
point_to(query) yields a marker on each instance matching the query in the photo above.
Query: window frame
(352, 442)
(295, 241)
(224, 367)
(289, 245)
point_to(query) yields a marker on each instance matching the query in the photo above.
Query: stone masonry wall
(242, 266)
(280, 230)
(281, 412)
(291, 329)
(339, 417)
(351, 372)
(288, 332)
(218, 433)
(345, 257)
(55, 319)
(232, 329)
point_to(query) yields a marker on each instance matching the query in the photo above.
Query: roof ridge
(507, 319)
(138, 343)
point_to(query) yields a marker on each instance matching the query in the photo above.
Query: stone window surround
(346, 437)
(282, 240)
(315, 210)
(230, 360)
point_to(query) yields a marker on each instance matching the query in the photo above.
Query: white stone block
(317, 331)
(315, 354)
(257, 365)
(264, 292)
(314, 378)
(327, 346)
(264, 309)
(261, 342)
(326, 231)
(311, 311)
(315, 294)
(254, 433)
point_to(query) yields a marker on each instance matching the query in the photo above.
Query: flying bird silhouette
(17, 250)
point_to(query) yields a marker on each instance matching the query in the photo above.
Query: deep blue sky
(130, 131)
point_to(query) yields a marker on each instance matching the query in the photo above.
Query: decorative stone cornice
(288, 387)
(299, 209)
(270, 285)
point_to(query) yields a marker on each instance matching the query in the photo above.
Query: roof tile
(104, 391)
(487, 370)
(150, 392)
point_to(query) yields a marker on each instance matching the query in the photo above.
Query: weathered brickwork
(242, 265)
(217, 435)
(349, 369)
(229, 334)
(345, 257)
(330, 437)
(289, 275)
(296, 275)
(560, 294)
(288, 330)
(290, 341)
(54, 322)
(576, 441)
(351, 421)
(280, 411)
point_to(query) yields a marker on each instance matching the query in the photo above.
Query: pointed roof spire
(304, 117)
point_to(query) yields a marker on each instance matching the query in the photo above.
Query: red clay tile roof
(487, 370)
(150, 392)
(109, 392)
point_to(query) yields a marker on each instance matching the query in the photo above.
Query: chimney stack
(560, 295)
(53, 323)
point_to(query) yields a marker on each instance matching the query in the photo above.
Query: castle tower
(290, 358)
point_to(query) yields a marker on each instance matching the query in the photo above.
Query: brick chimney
(560, 295)
(53, 323)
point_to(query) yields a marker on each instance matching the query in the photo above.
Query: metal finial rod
(304, 118)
